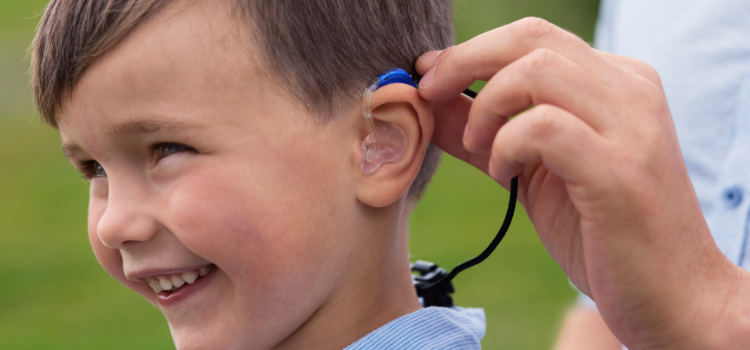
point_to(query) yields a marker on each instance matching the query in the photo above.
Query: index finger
(458, 67)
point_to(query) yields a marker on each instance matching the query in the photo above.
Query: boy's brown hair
(324, 51)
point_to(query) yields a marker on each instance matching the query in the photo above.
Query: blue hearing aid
(385, 142)
(394, 76)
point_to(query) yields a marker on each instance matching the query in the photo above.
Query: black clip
(429, 273)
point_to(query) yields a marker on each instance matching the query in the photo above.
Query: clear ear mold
(386, 142)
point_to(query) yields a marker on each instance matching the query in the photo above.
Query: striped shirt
(431, 328)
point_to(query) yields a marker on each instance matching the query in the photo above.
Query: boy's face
(207, 166)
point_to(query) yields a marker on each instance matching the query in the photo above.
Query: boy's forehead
(182, 57)
(182, 44)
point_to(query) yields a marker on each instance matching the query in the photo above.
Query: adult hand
(601, 176)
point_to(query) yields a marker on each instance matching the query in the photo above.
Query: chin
(224, 334)
(207, 340)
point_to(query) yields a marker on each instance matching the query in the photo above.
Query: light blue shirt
(701, 49)
(431, 328)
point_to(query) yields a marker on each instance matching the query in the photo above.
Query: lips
(174, 281)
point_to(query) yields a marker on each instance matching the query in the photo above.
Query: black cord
(491, 248)
(470, 93)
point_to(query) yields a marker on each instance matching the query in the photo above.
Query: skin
(601, 177)
(584, 329)
(309, 253)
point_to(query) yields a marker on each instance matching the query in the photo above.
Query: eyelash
(159, 151)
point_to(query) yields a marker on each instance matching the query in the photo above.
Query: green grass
(54, 295)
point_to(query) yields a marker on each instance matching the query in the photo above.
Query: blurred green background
(54, 295)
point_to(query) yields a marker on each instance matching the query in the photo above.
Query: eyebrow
(130, 128)
(147, 126)
(70, 149)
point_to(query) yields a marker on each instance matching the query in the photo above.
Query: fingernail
(466, 134)
(427, 78)
(430, 56)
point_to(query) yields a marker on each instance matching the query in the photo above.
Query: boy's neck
(378, 290)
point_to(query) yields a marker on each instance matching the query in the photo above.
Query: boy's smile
(172, 286)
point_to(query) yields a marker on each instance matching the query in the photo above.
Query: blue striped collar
(429, 328)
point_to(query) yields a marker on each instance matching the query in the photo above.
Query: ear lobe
(404, 124)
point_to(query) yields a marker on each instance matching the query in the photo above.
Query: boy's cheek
(237, 232)
(252, 221)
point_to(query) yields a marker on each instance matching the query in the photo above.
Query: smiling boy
(222, 142)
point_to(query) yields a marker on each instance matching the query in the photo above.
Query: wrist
(703, 304)
(718, 316)
(731, 313)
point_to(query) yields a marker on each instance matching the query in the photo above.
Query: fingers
(634, 66)
(480, 58)
(541, 77)
(565, 144)
(450, 120)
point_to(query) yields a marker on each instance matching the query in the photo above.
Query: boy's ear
(401, 105)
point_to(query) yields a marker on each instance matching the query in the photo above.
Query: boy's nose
(126, 220)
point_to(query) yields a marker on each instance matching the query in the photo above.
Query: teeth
(165, 283)
(205, 270)
(154, 285)
(174, 281)
(177, 282)
(189, 276)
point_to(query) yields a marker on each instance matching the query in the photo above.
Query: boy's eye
(99, 170)
(164, 150)
(91, 169)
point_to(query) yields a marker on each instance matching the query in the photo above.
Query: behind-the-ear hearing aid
(386, 143)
